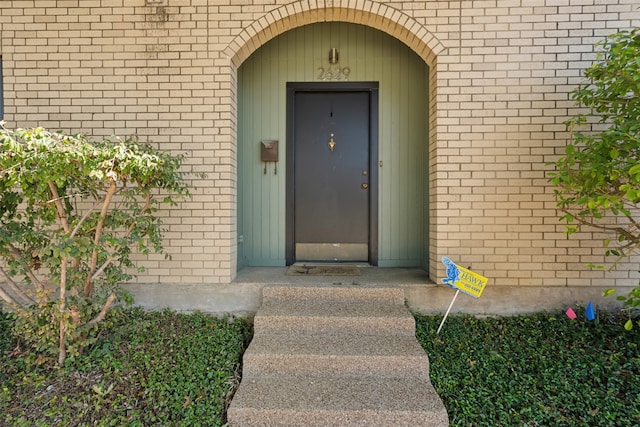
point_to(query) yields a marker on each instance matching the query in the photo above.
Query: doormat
(323, 270)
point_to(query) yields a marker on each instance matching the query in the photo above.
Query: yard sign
(462, 279)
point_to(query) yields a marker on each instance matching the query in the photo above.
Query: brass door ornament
(331, 144)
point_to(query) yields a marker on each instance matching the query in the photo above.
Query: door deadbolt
(365, 185)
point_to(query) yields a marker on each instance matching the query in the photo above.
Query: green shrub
(72, 213)
(598, 177)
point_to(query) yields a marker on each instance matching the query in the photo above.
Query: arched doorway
(364, 55)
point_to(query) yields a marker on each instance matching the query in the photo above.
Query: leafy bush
(160, 368)
(599, 174)
(71, 213)
(538, 370)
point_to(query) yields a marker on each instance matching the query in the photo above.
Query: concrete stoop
(329, 355)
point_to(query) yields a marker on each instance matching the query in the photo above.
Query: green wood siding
(370, 55)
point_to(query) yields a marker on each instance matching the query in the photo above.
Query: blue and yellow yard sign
(461, 279)
(464, 279)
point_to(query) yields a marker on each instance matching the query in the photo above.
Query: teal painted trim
(408, 263)
(266, 263)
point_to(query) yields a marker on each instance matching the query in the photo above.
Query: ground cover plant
(534, 370)
(159, 368)
(171, 369)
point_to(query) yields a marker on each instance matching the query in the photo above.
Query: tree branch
(102, 267)
(55, 196)
(129, 230)
(86, 215)
(88, 283)
(83, 219)
(15, 288)
(8, 298)
(615, 229)
(110, 300)
(17, 256)
(627, 249)
(62, 337)
(147, 202)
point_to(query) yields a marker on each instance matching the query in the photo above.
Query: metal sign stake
(448, 310)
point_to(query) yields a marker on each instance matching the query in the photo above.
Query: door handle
(331, 144)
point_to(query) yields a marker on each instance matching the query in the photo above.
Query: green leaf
(628, 325)
(635, 170)
(632, 194)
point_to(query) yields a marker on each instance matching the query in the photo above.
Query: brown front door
(331, 162)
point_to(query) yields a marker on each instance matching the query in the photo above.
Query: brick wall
(501, 73)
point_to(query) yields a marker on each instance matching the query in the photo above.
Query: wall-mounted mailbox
(269, 154)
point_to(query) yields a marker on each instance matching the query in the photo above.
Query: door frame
(372, 88)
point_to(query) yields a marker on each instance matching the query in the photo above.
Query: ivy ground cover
(536, 370)
(159, 368)
(172, 369)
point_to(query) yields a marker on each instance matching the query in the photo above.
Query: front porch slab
(243, 296)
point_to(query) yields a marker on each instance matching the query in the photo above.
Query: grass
(159, 368)
(172, 369)
(537, 370)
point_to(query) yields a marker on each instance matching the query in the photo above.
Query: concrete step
(384, 294)
(327, 355)
(302, 315)
(348, 355)
(336, 401)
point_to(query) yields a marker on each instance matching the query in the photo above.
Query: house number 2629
(333, 73)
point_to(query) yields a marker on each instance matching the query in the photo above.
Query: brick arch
(376, 15)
